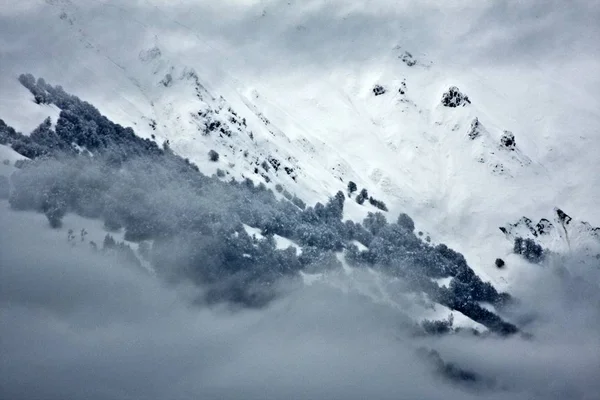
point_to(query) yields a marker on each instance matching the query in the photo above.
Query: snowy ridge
(560, 234)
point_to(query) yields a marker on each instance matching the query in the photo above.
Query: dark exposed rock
(274, 162)
(500, 263)
(402, 89)
(454, 98)
(544, 227)
(525, 222)
(562, 216)
(378, 90)
(474, 129)
(508, 140)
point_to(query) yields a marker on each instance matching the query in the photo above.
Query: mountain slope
(291, 83)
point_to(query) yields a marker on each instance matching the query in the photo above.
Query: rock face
(402, 89)
(544, 227)
(508, 140)
(378, 90)
(474, 129)
(562, 233)
(523, 227)
(563, 218)
(454, 98)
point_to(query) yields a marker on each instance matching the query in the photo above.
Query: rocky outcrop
(544, 227)
(454, 98)
(378, 90)
(474, 130)
(562, 216)
(508, 140)
(561, 234)
(523, 227)
(402, 89)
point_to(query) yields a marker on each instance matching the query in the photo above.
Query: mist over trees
(98, 169)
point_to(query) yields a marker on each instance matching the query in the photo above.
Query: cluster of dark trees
(452, 371)
(196, 223)
(529, 249)
(213, 156)
(364, 195)
(120, 250)
(437, 327)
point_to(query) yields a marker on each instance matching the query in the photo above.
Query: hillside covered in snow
(434, 165)
(295, 92)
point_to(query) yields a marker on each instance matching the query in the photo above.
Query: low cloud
(75, 324)
(78, 325)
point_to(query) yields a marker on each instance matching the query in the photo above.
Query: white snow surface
(281, 243)
(7, 160)
(300, 75)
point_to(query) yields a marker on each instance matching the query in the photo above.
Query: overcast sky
(530, 34)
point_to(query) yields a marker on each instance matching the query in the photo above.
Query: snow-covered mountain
(285, 93)
(478, 120)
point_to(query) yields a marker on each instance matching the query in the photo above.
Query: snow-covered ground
(7, 160)
(292, 81)
(280, 242)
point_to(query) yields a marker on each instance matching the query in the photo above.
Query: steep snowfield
(291, 83)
